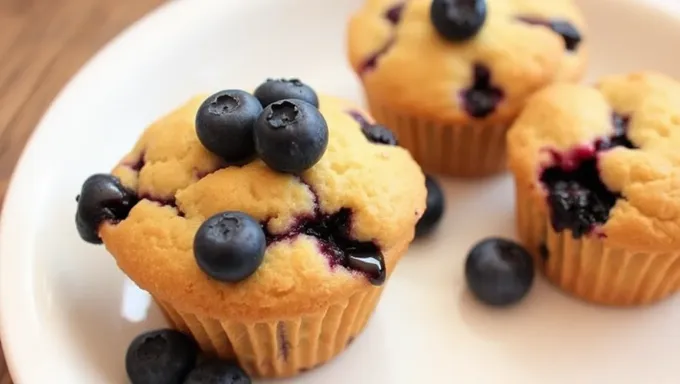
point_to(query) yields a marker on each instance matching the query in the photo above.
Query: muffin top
(455, 61)
(603, 160)
(362, 198)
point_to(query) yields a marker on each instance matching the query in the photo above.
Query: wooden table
(42, 44)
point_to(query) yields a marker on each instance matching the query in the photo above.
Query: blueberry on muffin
(450, 76)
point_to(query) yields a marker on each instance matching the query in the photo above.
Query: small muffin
(597, 173)
(449, 77)
(267, 233)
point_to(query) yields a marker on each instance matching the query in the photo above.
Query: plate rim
(18, 343)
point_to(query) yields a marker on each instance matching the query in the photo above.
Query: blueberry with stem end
(224, 125)
(229, 246)
(274, 90)
(291, 136)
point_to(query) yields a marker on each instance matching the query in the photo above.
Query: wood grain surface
(42, 44)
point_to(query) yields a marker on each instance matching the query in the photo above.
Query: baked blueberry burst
(578, 199)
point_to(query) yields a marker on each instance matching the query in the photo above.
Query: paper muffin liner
(591, 270)
(280, 348)
(466, 150)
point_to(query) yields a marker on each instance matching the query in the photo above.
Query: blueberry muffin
(597, 176)
(450, 76)
(264, 225)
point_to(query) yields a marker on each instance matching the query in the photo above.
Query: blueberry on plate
(499, 272)
(458, 20)
(164, 356)
(378, 134)
(434, 208)
(274, 90)
(102, 198)
(217, 372)
(224, 125)
(229, 246)
(291, 136)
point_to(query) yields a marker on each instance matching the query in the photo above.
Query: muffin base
(591, 270)
(468, 150)
(280, 348)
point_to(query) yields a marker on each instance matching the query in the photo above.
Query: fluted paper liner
(468, 150)
(589, 269)
(281, 348)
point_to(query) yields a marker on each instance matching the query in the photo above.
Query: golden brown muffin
(451, 101)
(304, 303)
(597, 182)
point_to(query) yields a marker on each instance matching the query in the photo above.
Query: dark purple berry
(164, 356)
(378, 134)
(229, 246)
(224, 125)
(280, 89)
(458, 20)
(102, 198)
(571, 35)
(291, 136)
(217, 372)
(499, 272)
(482, 98)
(434, 208)
(393, 13)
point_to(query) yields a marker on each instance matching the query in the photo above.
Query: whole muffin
(597, 175)
(450, 76)
(279, 269)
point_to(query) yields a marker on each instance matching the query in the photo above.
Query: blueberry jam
(393, 15)
(483, 97)
(578, 198)
(572, 37)
(332, 231)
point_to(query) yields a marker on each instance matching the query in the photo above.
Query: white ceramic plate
(68, 314)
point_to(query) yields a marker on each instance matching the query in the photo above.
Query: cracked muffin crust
(597, 176)
(428, 88)
(363, 196)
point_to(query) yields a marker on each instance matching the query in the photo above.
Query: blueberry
(434, 208)
(499, 272)
(164, 356)
(458, 20)
(229, 246)
(274, 90)
(224, 125)
(217, 372)
(291, 136)
(102, 198)
(570, 35)
(378, 134)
